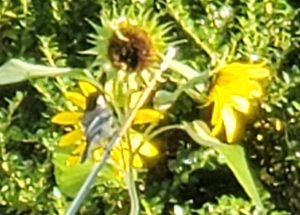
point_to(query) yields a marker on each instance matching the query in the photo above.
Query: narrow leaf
(16, 70)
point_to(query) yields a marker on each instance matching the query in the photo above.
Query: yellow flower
(233, 91)
(120, 154)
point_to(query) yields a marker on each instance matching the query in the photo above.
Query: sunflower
(120, 154)
(233, 93)
(131, 41)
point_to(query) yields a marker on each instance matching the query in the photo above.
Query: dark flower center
(133, 52)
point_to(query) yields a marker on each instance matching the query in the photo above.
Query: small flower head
(233, 92)
(120, 154)
(131, 42)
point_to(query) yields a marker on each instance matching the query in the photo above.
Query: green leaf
(163, 99)
(236, 161)
(187, 71)
(16, 70)
(70, 179)
(194, 79)
(199, 132)
(234, 156)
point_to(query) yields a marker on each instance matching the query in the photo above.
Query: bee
(97, 123)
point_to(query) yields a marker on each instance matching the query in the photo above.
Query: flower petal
(258, 72)
(77, 99)
(230, 122)
(134, 98)
(137, 139)
(240, 103)
(137, 161)
(256, 90)
(72, 160)
(144, 116)
(67, 118)
(217, 108)
(253, 71)
(148, 150)
(120, 158)
(79, 149)
(87, 88)
(97, 154)
(71, 137)
(217, 128)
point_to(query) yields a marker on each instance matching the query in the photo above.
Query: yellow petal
(124, 158)
(67, 118)
(87, 88)
(234, 69)
(144, 116)
(97, 154)
(120, 158)
(216, 112)
(258, 72)
(79, 149)
(254, 71)
(77, 99)
(148, 150)
(71, 137)
(230, 122)
(134, 98)
(109, 89)
(217, 128)
(137, 139)
(137, 162)
(72, 160)
(240, 103)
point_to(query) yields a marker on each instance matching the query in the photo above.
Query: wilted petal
(144, 116)
(87, 88)
(230, 122)
(240, 103)
(67, 118)
(77, 99)
(71, 137)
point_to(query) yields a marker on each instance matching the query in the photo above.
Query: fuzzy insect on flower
(84, 123)
(233, 93)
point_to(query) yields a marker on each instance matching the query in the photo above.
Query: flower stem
(163, 129)
(134, 201)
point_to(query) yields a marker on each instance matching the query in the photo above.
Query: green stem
(134, 201)
(163, 129)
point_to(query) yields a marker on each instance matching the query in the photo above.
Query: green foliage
(42, 39)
